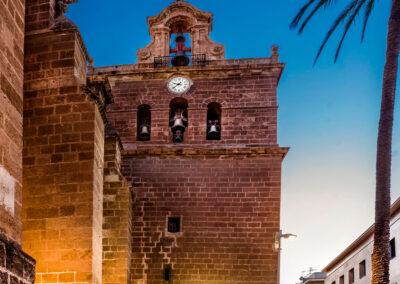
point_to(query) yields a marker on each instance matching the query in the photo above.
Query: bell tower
(198, 134)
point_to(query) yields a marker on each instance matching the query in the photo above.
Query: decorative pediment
(181, 10)
(180, 17)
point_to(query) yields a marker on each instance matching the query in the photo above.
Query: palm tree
(380, 258)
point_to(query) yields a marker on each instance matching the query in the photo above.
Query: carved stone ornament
(61, 22)
(195, 22)
(61, 7)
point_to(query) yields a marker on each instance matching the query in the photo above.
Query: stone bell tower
(198, 135)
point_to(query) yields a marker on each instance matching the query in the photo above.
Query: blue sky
(328, 113)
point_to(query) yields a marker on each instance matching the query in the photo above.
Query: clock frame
(179, 85)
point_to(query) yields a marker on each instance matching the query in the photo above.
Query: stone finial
(275, 53)
(61, 7)
(60, 21)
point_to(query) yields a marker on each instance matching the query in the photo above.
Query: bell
(178, 124)
(144, 133)
(213, 133)
(180, 60)
(213, 130)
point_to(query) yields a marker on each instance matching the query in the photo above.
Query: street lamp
(278, 248)
(279, 236)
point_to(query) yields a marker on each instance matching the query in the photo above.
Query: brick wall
(11, 86)
(249, 107)
(63, 158)
(229, 207)
(116, 217)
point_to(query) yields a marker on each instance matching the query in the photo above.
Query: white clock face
(179, 85)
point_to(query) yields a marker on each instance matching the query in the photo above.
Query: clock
(179, 85)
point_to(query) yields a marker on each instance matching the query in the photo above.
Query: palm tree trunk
(380, 257)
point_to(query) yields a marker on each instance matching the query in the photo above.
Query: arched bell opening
(143, 123)
(180, 44)
(178, 119)
(214, 121)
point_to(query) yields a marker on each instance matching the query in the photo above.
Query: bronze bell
(214, 130)
(178, 128)
(178, 123)
(144, 133)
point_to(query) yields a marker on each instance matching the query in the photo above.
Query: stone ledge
(15, 265)
(192, 151)
(258, 64)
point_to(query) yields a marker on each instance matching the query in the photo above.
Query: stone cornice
(233, 68)
(50, 32)
(207, 150)
(100, 92)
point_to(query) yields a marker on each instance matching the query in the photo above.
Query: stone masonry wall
(16, 267)
(249, 107)
(226, 192)
(229, 207)
(63, 161)
(11, 97)
(116, 217)
(39, 14)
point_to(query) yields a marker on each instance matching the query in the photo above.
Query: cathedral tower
(199, 138)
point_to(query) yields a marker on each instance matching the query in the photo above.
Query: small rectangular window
(351, 276)
(341, 279)
(392, 248)
(362, 269)
(168, 273)
(174, 224)
(334, 282)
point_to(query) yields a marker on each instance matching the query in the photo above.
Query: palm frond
(368, 10)
(349, 22)
(300, 14)
(318, 6)
(334, 26)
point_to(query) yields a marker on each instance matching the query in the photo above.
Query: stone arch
(208, 101)
(178, 118)
(214, 121)
(143, 122)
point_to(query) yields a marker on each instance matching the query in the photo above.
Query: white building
(313, 278)
(353, 265)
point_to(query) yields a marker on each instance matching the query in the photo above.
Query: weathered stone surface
(15, 266)
(11, 82)
(96, 206)
(226, 192)
(117, 207)
(63, 161)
